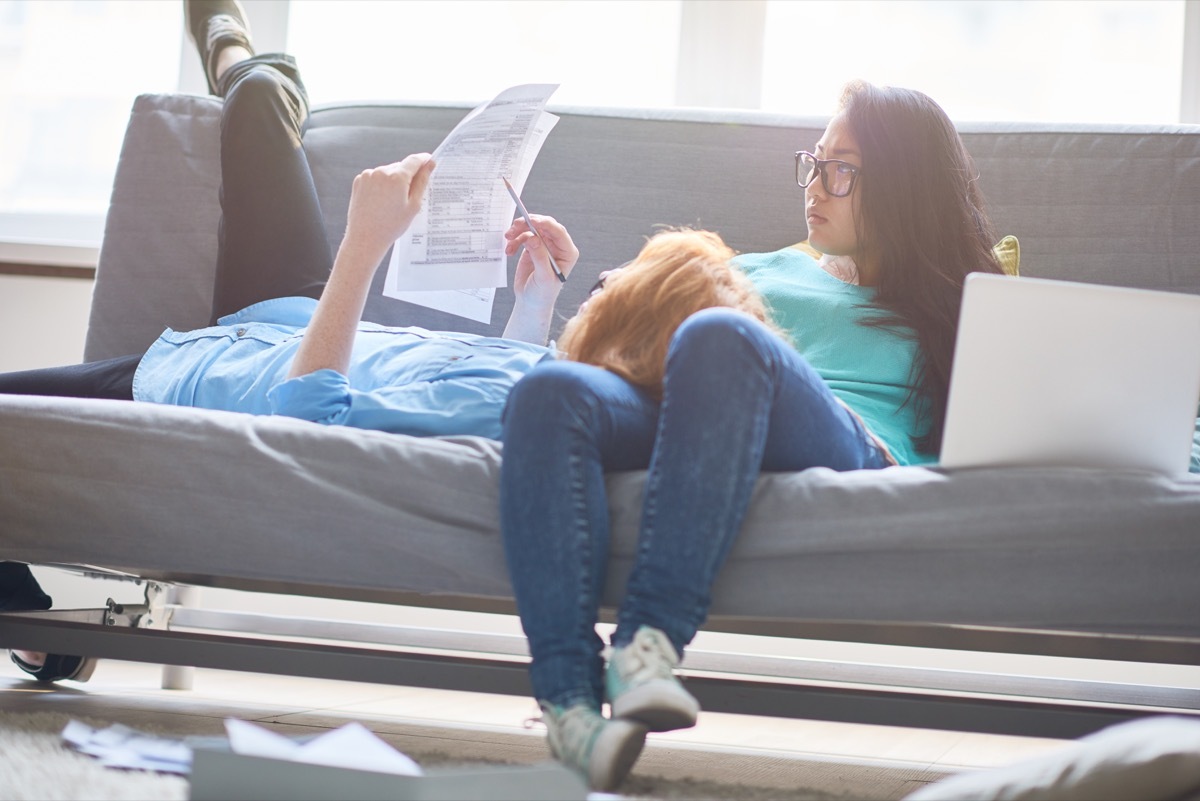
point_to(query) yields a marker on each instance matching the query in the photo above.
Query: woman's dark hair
(922, 222)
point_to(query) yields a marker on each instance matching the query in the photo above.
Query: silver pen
(524, 213)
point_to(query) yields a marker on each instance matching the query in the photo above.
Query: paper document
(350, 746)
(119, 746)
(452, 256)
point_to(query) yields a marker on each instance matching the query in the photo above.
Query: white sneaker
(641, 684)
(602, 751)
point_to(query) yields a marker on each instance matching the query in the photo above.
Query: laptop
(1062, 373)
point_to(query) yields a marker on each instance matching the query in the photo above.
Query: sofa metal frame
(169, 629)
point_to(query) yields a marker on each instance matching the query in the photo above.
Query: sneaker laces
(649, 656)
(572, 732)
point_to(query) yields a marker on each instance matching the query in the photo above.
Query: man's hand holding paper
(453, 256)
(385, 200)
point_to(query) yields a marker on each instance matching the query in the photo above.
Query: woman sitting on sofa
(286, 335)
(895, 214)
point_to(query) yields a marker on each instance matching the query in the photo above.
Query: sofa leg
(180, 677)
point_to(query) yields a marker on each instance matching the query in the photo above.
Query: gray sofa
(1064, 562)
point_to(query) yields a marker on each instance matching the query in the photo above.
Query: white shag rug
(35, 764)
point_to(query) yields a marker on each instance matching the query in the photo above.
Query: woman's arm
(383, 203)
(535, 284)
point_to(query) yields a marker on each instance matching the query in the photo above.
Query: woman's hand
(383, 202)
(535, 283)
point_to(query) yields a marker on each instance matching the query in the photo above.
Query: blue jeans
(737, 400)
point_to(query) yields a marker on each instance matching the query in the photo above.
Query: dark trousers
(19, 590)
(271, 240)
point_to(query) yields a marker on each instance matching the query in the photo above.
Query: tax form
(452, 256)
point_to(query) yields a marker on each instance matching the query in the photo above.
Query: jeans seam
(764, 359)
(579, 502)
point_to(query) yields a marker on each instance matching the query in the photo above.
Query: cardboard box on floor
(218, 773)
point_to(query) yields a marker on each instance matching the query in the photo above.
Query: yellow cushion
(1007, 250)
(808, 250)
(1008, 253)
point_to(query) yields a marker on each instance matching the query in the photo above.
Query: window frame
(705, 27)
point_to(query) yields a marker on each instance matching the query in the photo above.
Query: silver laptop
(1063, 373)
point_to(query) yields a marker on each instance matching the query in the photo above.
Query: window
(1117, 61)
(68, 74)
(69, 70)
(601, 52)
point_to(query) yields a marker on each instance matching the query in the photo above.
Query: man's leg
(271, 241)
(20, 592)
(221, 32)
(110, 378)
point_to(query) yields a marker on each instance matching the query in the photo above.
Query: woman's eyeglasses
(837, 176)
(604, 276)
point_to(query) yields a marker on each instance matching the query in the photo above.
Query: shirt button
(241, 332)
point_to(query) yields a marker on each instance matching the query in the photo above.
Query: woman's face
(831, 220)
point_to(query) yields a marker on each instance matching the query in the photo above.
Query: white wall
(43, 321)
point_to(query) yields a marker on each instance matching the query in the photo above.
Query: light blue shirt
(868, 368)
(404, 380)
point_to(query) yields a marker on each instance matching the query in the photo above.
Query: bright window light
(69, 72)
(601, 52)
(1106, 61)
(70, 69)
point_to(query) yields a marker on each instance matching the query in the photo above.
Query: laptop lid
(1052, 372)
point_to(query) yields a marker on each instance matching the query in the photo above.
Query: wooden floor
(776, 757)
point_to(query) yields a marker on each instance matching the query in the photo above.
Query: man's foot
(215, 25)
(20, 592)
(602, 751)
(641, 683)
(56, 667)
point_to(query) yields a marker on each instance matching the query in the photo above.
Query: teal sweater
(868, 368)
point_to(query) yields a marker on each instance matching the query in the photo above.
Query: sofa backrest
(1107, 204)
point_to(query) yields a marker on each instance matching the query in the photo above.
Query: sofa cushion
(257, 499)
(1153, 759)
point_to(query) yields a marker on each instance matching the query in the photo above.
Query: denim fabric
(403, 380)
(868, 367)
(737, 400)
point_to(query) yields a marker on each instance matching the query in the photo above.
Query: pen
(524, 213)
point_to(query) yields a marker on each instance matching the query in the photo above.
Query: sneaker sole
(81, 672)
(85, 670)
(614, 754)
(658, 705)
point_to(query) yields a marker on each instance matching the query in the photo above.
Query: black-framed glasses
(837, 176)
(604, 276)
